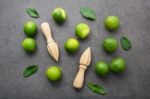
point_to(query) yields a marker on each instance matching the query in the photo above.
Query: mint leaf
(96, 88)
(88, 13)
(30, 70)
(125, 43)
(32, 12)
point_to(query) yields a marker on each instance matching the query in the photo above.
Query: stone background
(134, 83)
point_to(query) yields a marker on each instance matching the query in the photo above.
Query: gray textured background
(134, 83)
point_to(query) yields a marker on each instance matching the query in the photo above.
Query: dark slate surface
(132, 84)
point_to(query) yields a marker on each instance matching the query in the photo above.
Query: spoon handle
(78, 82)
(47, 31)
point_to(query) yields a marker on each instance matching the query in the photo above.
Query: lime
(82, 30)
(112, 23)
(101, 68)
(30, 29)
(110, 44)
(53, 73)
(118, 65)
(72, 45)
(59, 15)
(29, 44)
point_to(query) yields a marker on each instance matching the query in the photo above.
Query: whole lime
(54, 73)
(30, 29)
(110, 44)
(59, 15)
(118, 65)
(112, 23)
(72, 45)
(101, 68)
(82, 30)
(29, 45)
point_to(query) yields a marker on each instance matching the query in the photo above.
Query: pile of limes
(117, 65)
(82, 31)
(29, 44)
(110, 44)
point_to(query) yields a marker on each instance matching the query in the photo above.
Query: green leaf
(96, 88)
(125, 43)
(30, 70)
(32, 12)
(88, 13)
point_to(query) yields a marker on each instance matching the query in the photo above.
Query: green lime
(110, 44)
(112, 23)
(30, 29)
(101, 68)
(29, 44)
(54, 73)
(59, 15)
(82, 30)
(72, 45)
(118, 65)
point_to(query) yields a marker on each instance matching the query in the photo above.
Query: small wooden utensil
(84, 62)
(51, 44)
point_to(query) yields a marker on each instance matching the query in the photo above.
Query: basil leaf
(32, 12)
(125, 43)
(30, 70)
(88, 13)
(96, 88)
